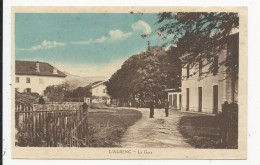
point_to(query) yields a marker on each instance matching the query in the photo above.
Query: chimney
(37, 66)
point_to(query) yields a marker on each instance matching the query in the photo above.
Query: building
(174, 98)
(207, 92)
(34, 77)
(99, 92)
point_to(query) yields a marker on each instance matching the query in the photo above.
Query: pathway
(157, 132)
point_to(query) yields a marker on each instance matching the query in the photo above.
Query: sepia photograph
(132, 83)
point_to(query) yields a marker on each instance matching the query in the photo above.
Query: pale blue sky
(85, 44)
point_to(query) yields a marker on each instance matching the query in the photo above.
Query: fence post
(229, 125)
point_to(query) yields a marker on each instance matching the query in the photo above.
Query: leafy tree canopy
(200, 35)
(58, 93)
(146, 75)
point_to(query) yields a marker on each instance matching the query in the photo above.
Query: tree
(55, 93)
(79, 92)
(59, 93)
(146, 76)
(199, 35)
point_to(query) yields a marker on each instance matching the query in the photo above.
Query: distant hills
(76, 81)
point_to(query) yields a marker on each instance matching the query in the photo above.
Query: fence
(51, 125)
(229, 125)
(81, 99)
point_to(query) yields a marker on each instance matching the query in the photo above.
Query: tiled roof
(29, 68)
(26, 98)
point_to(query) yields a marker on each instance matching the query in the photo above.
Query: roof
(26, 98)
(173, 90)
(97, 83)
(29, 68)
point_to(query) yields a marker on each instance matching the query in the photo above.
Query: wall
(206, 82)
(35, 84)
(98, 90)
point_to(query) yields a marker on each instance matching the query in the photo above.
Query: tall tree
(146, 76)
(199, 35)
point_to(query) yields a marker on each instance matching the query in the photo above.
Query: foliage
(201, 35)
(57, 93)
(79, 92)
(41, 100)
(146, 76)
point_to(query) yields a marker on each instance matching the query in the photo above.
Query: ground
(179, 130)
(201, 131)
(132, 128)
(107, 125)
(157, 132)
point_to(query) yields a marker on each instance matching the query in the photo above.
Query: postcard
(129, 82)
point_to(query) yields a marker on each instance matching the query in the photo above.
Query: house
(99, 92)
(207, 92)
(34, 77)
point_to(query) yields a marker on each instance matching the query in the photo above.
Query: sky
(84, 44)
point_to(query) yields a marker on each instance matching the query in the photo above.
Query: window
(215, 65)
(17, 79)
(28, 80)
(200, 68)
(28, 90)
(40, 80)
(16, 89)
(104, 90)
(188, 71)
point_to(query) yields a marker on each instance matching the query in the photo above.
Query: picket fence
(51, 125)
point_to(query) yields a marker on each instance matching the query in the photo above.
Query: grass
(106, 128)
(201, 131)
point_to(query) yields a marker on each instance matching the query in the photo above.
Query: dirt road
(157, 132)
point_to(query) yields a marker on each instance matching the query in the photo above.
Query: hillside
(77, 81)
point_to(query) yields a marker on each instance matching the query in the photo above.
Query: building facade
(34, 77)
(99, 92)
(174, 98)
(206, 93)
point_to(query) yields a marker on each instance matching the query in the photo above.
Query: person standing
(151, 109)
(166, 108)
(85, 107)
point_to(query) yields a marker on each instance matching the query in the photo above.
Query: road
(157, 132)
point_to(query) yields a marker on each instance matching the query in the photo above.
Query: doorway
(188, 99)
(200, 99)
(215, 99)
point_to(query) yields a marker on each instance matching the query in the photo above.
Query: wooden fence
(51, 125)
(229, 125)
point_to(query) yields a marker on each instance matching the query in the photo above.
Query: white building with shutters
(34, 77)
(206, 93)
